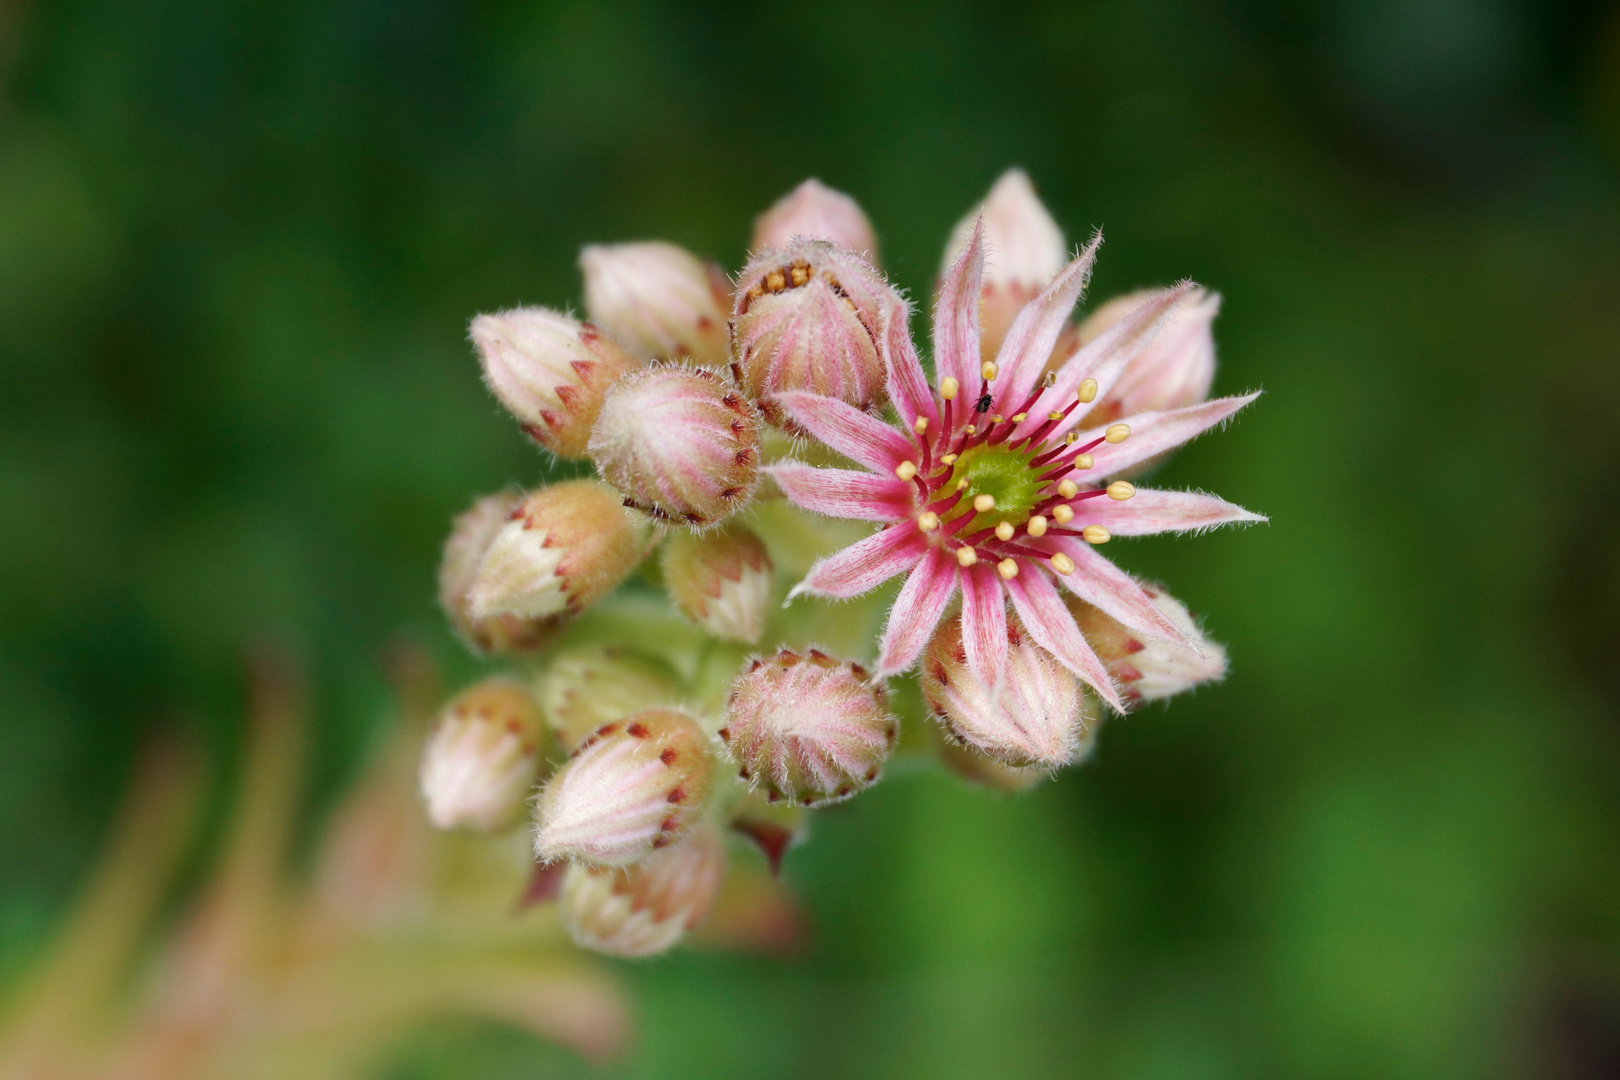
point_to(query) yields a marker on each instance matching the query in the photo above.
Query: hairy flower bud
(720, 580)
(550, 371)
(816, 212)
(1174, 369)
(980, 769)
(659, 299)
(1151, 669)
(644, 909)
(809, 317)
(1024, 250)
(1035, 718)
(679, 443)
(635, 785)
(470, 537)
(564, 548)
(481, 760)
(809, 729)
(583, 688)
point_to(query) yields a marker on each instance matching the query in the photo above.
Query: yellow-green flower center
(1003, 474)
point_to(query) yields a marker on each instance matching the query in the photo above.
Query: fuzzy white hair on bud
(481, 761)
(720, 580)
(470, 537)
(645, 909)
(1150, 669)
(587, 686)
(658, 299)
(814, 211)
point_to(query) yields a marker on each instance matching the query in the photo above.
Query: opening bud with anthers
(1173, 370)
(559, 551)
(633, 786)
(585, 687)
(814, 211)
(680, 444)
(720, 580)
(808, 728)
(480, 763)
(1148, 669)
(644, 909)
(658, 300)
(464, 549)
(550, 371)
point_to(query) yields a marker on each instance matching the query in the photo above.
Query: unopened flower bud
(464, 550)
(679, 443)
(660, 300)
(550, 371)
(633, 786)
(720, 580)
(809, 317)
(1173, 370)
(1024, 250)
(815, 211)
(1147, 670)
(808, 728)
(1035, 718)
(481, 761)
(583, 688)
(773, 827)
(561, 550)
(645, 909)
(981, 769)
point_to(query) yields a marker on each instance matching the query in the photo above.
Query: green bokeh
(239, 246)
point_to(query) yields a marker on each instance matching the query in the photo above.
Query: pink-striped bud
(1023, 250)
(1152, 668)
(979, 769)
(809, 729)
(470, 538)
(658, 299)
(1174, 369)
(550, 371)
(564, 548)
(633, 786)
(814, 211)
(583, 688)
(481, 761)
(720, 580)
(1036, 718)
(644, 909)
(809, 317)
(679, 443)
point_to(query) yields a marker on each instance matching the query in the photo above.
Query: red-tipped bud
(1035, 718)
(660, 300)
(679, 443)
(773, 827)
(564, 548)
(586, 687)
(720, 580)
(1024, 249)
(808, 728)
(809, 317)
(1148, 669)
(550, 371)
(480, 763)
(1174, 369)
(814, 211)
(644, 909)
(632, 787)
(470, 538)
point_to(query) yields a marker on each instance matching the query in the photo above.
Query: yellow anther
(1083, 462)
(972, 429)
(1037, 526)
(1007, 568)
(1062, 563)
(984, 503)
(1054, 416)
(1095, 534)
(1062, 513)
(966, 556)
(921, 425)
(1068, 489)
(906, 470)
(1004, 531)
(1120, 490)
(1071, 438)
(1117, 433)
(1088, 391)
(1019, 418)
(927, 521)
(989, 370)
(961, 485)
(996, 419)
(1049, 380)
(948, 388)
(948, 459)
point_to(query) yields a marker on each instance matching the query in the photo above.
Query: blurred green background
(239, 247)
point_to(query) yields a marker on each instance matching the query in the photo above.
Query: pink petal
(956, 316)
(845, 493)
(917, 610)
(908, 383)
(1155, 432)
(1041, 610)
(1030, 339)
(984, 624)
(1112, 591)
(1148, 512)
(865, 564)
(846, 429)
